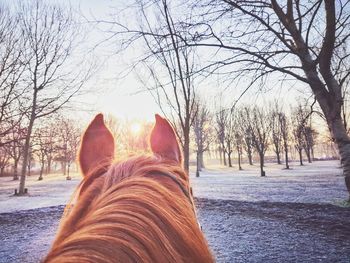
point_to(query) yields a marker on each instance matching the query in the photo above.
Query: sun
(135, 128)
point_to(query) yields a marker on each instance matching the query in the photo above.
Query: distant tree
(299, 141)
(4, 160)
(68, 144)
(260, 128)
(202, 134)
(50, 148)
(143, 136)
(50, 36)
(291, 39)
(310, 136)
(239, 148)
(115, 126)
(246, 133)
(220, 128)
(284, 126)
(276, 130)
(300, 116)
(40, 151)
(46, 149)
(225, 131)
(30, 158)
(15, 139)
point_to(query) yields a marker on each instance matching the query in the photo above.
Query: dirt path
(276, 232)
(237, 232)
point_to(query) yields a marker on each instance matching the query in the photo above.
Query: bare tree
(220, 129)
(284, 126)
(300, 117)
(246, 132)
(68, 144)
(39, 140)
(45, 143)
(30, 158)
(299, 142)
(202, 132)
(225, 132)
(50, 35)
(14, 146)
(4, 160)
(115, 126)
(11, 72)
(309, 136)
(170, 65)
(296, 40)
(239, 148)
(260, 127)
(276, 130)
(50, 145)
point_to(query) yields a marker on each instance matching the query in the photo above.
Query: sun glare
(135, 128)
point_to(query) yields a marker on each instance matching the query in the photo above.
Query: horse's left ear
(164, 141)
(97, 147)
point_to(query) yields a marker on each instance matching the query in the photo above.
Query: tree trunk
(300, 151)
(261, 157)
(29, 168)
(224, 156)
(25, 160)
(343, 142)
(197, 165)
(308, 155)
(15, 170)
(331, 104)
(239, 161)
(27, 146)
(186, 151)
(68, 169)
(250, 157)
(48, 167)
(41, 172)
(278, 157)
(229, 159)
(286, 155)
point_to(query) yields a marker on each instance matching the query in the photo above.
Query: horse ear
(97, 146)
(164, 141)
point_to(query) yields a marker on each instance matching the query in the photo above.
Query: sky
(125, 97)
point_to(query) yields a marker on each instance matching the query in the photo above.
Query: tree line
(249, 43)
(55, 141)
(39, 74)
(248, 130)
(54, 144)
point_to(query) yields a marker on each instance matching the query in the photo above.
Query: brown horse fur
(131, 211)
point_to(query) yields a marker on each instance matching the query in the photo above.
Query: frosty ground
(296, 215)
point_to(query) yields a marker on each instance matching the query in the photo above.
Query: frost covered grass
(289, 215)
(318, 182)
(53, 190)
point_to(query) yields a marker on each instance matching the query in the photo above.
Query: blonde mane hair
(138, 210)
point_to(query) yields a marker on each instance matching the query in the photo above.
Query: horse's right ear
(164, 141)
(97, 147)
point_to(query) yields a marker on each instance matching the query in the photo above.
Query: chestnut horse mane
(132, 212)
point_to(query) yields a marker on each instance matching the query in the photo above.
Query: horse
(139, 209)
